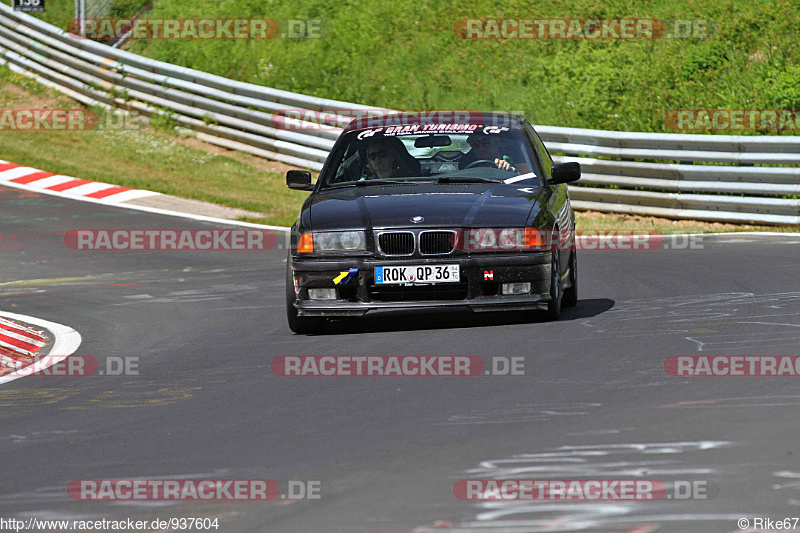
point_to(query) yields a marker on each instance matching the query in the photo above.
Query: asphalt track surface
(595, 401)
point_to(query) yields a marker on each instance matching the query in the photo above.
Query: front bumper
(476, 290)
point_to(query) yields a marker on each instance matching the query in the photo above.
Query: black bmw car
(415, 211)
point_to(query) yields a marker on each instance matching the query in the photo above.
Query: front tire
(554, 305)
(571, 294)
(302, 325)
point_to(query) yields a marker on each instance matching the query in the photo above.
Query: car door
(558, 201)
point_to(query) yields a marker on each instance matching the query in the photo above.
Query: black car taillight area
(396, 243)
(437, 242)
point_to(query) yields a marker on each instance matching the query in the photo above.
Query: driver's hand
(502, 164)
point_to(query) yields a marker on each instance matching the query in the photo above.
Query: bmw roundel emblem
(417, 220)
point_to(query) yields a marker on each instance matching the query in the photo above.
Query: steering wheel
(481, 162)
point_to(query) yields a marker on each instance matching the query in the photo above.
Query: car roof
(385, 118)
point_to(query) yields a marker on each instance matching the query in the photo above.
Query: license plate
(388, 275)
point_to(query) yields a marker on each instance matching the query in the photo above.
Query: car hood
(440, 205)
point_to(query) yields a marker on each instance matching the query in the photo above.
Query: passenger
(388, 158)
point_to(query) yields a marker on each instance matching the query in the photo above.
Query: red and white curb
(19, 344)
(31, 179)
(35, 179)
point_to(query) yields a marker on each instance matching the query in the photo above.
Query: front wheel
(571, 294)
(554, 305)
(302, 325)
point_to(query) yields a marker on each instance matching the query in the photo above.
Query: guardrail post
(80, 15)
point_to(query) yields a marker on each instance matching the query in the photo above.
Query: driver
(387, 158)
(486, 148)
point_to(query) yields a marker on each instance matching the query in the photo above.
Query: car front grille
(436, 242)
(398, 293)
(396, 243)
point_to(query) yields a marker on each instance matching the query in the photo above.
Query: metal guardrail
(725, 186)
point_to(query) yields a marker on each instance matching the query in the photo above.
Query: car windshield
(453, 153)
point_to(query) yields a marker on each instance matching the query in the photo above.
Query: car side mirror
(565, 173)
(299, 180)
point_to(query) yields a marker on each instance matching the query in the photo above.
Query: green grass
(61, 12)
(615, 221)
(143, 158)
(405, 55)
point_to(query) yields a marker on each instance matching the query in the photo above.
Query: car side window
(545, 160)
(349, 165)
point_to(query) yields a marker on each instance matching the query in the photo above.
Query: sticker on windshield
(493, 129)
(416, 129)
(521, 177)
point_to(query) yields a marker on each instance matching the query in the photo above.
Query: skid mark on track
(710, 322)
(787, 474)
(788, 486)
(748, 401)
(666, 461)
(37, 437)
(210, 293)
(136, 395)
(51, 281)
(521, 413)
(15, 398)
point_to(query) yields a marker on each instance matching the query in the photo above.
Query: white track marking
(127, 196)
(52, 181)
(88, 188)
(156, 210)
(17, 172)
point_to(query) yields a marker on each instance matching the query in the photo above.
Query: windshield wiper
(465, 179)
(364, 183)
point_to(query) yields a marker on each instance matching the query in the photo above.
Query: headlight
(336, 241)
(502, 240)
